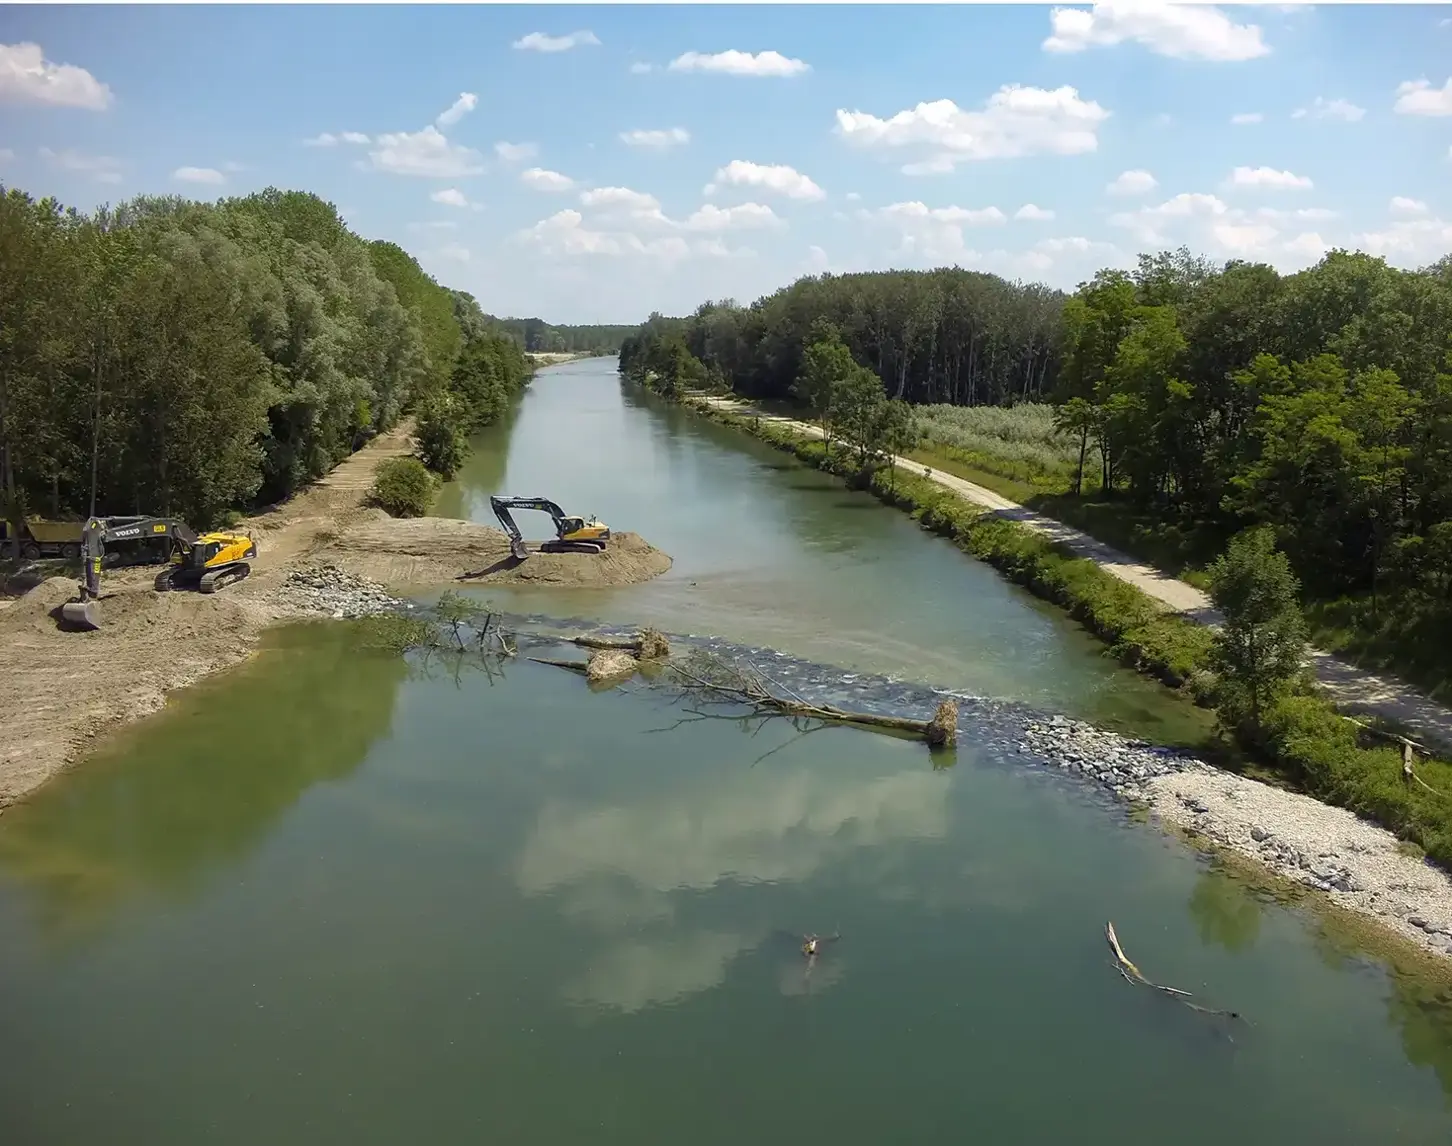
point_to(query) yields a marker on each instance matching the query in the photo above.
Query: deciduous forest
(188, 358)
(1189, 401)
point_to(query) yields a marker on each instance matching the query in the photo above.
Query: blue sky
(664, 155)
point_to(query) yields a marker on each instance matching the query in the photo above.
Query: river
(331, 897)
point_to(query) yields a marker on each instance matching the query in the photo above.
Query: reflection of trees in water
(201, 784)
(1424, 1013)
(1226, 912)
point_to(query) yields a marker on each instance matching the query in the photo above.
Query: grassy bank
(1304, 741)
(1016, 453)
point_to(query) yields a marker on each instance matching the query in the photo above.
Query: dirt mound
(420, 551)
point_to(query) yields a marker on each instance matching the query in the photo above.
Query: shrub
(440, 444)
(402, 487)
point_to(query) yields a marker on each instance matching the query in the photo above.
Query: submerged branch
(1133, 974)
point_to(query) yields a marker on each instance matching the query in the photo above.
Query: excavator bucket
(518, 548)
(80, 615)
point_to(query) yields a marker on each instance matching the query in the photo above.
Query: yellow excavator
(205, 562)
(572, 534)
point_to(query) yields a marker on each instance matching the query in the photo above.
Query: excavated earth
(320, 554)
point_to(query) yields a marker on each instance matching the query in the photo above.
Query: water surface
(507, 908)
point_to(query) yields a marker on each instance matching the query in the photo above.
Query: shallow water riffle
(334, 898)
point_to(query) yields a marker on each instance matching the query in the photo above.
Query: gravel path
(1351, 688)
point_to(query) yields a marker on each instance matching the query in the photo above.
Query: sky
(596, 163)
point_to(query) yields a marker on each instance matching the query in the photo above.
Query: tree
(1261, 646)
(826, 364)
(1079, 419)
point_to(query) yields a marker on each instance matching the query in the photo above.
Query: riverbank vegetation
(539, 337)
(1294, 730)
(175, 357)
(1169, 407)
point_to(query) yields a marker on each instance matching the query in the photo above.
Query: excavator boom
(572, 534)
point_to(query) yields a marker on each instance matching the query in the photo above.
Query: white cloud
(457, 110)
(1181, 31)
(1322, 108)
(1135, 182)
(1029, 213)
(454, 252)
(541, 180)
(610, 197)
(777, 178)
(1308, 245)
(1147, 223)
(102, 168)
(934, 233)
(516, 152)
(1309, 214)
(1243, 239)
(1269, 179)
(1401, 205)
(198, 175)
(26, 76)
(1246, 117)
(1419, 97)
(712, 218)
(1016, 121)
(539, 42)
(631, 975)
(453, 197)
(734, 63)
(564, 234)
(426, 153)
(853, 197)
(1409, 242)
(640, 68)
(328, 139)
(660, 139)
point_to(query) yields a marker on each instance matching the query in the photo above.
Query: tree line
(538, 336)
(174, 357)
(1318, 402)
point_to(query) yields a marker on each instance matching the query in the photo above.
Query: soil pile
(424, 551)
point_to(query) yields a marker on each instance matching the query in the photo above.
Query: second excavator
(206, 561)
(572, 534)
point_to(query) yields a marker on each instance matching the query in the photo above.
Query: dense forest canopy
(188, 358)
(1319, 402)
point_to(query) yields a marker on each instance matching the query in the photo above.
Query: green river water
(333, 897)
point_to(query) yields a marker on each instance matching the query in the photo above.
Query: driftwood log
(1133, 974)
(649, 645)
(715, 679)
(711, 679)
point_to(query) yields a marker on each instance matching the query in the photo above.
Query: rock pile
(1106, 757)
(327, 590)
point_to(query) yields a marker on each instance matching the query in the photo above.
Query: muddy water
(333, 897)
(770, 552)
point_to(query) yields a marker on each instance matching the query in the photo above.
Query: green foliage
(1300, 734)
(1261, 646)
(402, 487)
(441, 445)
(200, 358)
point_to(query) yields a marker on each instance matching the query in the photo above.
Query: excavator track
(572, 547)
(215, 579)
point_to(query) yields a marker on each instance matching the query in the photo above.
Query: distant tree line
(1318, 402)
(168, 356)
(537, 336)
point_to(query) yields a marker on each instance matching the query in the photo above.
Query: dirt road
(1351, 688)
(65, 688)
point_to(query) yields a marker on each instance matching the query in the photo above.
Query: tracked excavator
(572, 534)
(205, 562)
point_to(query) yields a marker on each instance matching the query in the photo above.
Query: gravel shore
(1356, 864)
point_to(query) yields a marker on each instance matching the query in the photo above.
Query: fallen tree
(707, 678)
(1133, 974)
